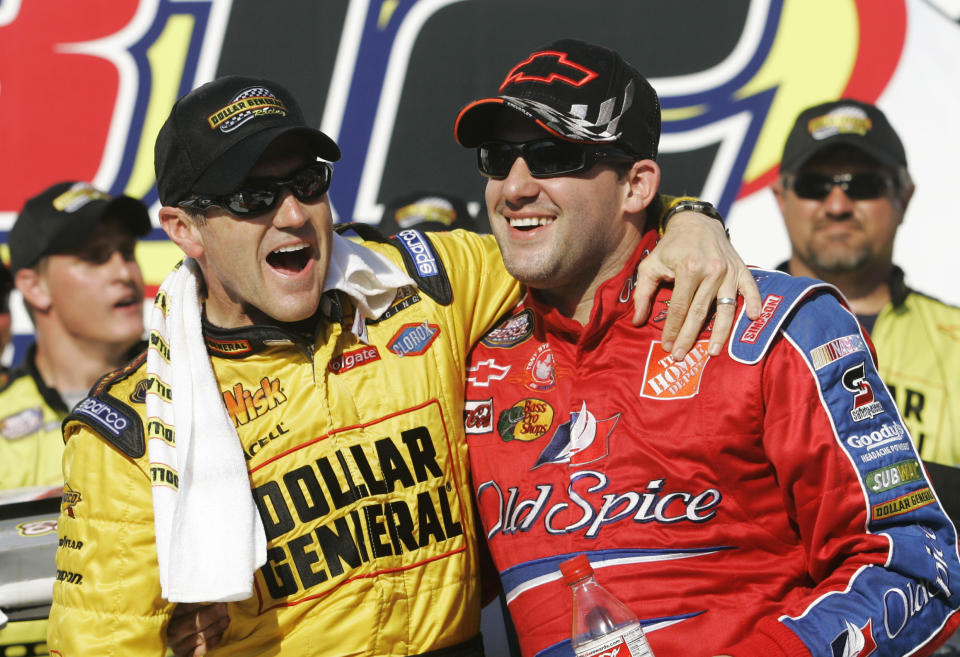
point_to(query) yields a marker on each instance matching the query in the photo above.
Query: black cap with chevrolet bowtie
(577, 91)
(846, 121)
(216, 133)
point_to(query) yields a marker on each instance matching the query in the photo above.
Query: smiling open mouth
(290, 259)
(529, 223)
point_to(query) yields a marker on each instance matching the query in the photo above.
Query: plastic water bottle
(603, 626)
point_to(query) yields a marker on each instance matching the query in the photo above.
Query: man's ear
(182, 229)
(34, 288)
(778, 193)
(643, 180)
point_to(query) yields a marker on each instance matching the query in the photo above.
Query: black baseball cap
(63, 216)
(574, 90)
(844, 121)
(217, 132)
(427, 211)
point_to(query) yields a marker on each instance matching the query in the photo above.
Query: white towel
(210, 539)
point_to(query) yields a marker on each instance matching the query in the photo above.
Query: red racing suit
(766, 501)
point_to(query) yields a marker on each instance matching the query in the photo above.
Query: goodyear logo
(246, 405)
(526, 420)
(904, 472)
(248, 104)
(903, 504)
(418, 248)
(362, 506)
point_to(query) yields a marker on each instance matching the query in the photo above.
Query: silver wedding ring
(726, 300)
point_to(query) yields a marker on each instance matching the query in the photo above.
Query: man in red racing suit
(764, 500)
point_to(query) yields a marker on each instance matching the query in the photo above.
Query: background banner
(84, 87)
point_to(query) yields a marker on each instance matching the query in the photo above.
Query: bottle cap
(576, 569)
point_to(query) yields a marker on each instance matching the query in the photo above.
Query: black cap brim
(233, 166)
(854, 141)
(478, 121)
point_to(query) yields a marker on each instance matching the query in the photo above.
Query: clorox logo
(413, 339)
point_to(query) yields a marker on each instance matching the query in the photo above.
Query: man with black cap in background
(843, 190)
(72, 260)
(6, 286)
(427, 211)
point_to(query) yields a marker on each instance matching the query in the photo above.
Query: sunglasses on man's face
(545, 157)
(256, 197)
(857, 186)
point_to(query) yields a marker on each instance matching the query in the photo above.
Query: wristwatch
(692, 206)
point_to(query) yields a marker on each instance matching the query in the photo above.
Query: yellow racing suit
(918, 352)
(357, 462)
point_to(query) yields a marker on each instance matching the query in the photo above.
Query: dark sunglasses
(858, 186)
(258, 196)
(545, 157)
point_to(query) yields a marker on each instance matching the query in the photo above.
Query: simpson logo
(350, 359)
(753, 331)
(854, 381)
(854, 641)
(904, 472)
(540, 369)
(483, 372)
(511, 331)
(70, 499)
(549, 66)
(903, 504)
(413, 339)
(584, 439)
(246, 105)
(21, 424)
(105, 415)
(665, 378)
(478, 416)
(229, 347)
(835, 350)
(418, 248)
(526, 420)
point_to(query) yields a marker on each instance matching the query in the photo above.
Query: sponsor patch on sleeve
(113, 420)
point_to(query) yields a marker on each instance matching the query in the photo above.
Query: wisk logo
(89, 85)
(549, 66)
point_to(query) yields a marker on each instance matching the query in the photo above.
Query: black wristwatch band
(692, 206)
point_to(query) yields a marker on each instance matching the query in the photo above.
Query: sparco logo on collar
(106, 416)
(246, 105)
(420, 251)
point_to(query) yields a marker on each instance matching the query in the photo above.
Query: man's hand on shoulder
(696, 255)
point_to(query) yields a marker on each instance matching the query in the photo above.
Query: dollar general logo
(246, 405)
(903, 504)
